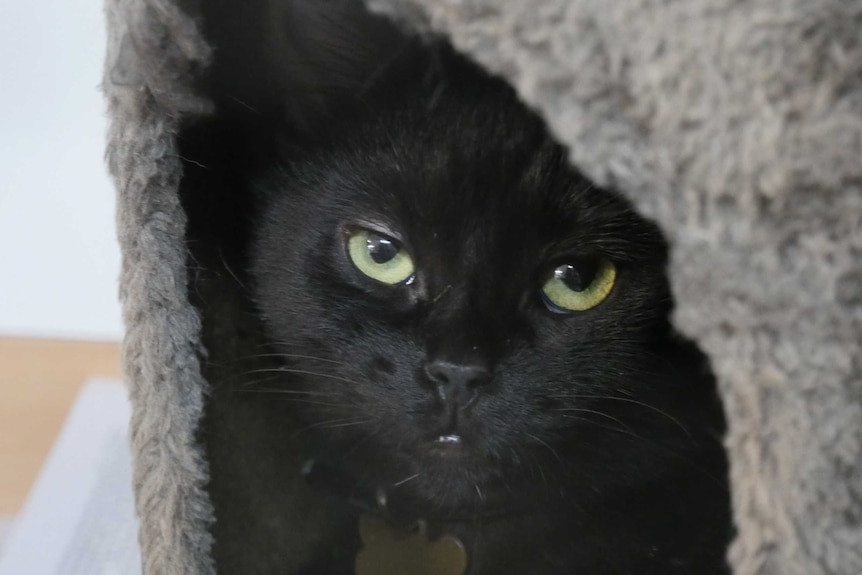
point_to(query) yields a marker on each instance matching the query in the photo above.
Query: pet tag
(387, 550)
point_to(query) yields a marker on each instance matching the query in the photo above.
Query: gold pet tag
(387, 550)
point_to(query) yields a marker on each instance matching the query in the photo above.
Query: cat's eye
(579, 286)
(379, 257)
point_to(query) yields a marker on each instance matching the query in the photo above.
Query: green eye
(379, 257)
(579, 286)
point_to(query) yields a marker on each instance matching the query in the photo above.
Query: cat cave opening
(432, 345)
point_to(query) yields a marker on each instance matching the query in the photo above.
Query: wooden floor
(38, 381)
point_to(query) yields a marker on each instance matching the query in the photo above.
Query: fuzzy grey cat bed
(737, 126)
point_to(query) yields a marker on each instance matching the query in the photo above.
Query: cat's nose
(456, 381)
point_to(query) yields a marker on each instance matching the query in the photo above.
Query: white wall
(59, 262)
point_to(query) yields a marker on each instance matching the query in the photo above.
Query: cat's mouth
(449, 439)
(448, 444)
(448, 435)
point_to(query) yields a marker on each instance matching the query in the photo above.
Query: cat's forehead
(496, 193)
(476, 176)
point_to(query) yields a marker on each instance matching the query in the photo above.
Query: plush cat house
(736, 125)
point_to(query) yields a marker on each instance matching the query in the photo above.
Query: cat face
(464, 313)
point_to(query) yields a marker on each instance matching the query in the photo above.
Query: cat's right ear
(326, 56)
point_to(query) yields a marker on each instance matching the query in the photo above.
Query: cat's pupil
(381, 249)
(577, 276)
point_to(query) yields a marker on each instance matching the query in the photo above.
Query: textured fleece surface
(153, 50)
(737, 125)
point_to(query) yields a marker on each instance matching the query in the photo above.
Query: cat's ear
(327, 55)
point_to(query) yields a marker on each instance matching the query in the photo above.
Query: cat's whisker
(332, 424)
(547, 445)
(653, 408)
(632, 401)
(256, 381)
(406, 480)
(319, 374)
(285, 369)
(535, 464)
(229, 270)
(309, 402)
(346, 424)
(593, 411)
(282, 391)
(291, 396)
(364, 438)
(442, 293)
(623, 430)
(479, 492)
(514, 457)
(275, 347)
(296, 356)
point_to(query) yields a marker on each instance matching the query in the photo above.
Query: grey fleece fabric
(736, 125)
(153, 52)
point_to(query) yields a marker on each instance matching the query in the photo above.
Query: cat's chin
(451, 479)
(444, 474)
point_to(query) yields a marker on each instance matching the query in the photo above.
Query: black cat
(471, 334)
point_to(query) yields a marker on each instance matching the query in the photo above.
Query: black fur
(594, 444)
